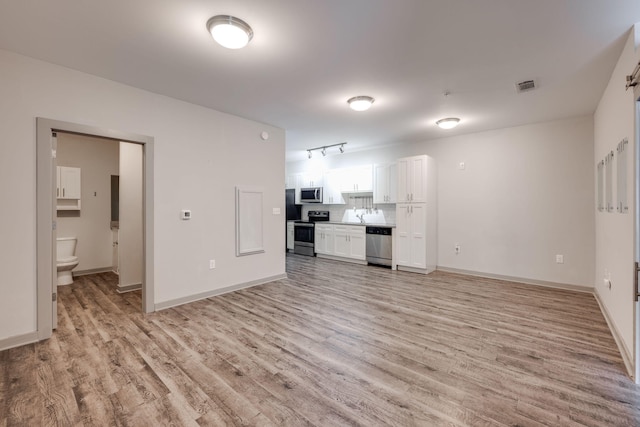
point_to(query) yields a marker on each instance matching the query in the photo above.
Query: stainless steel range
(304, 233)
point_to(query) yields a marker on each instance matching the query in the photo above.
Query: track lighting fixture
(323, 149)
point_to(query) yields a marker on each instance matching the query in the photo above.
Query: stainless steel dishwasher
(379, 245)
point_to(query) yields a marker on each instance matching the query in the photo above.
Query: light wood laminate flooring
(334, 344)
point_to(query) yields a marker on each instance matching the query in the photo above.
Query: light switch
(185, 214)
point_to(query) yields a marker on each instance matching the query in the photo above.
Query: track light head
(341, 148)
(324, 151)
(309, 154)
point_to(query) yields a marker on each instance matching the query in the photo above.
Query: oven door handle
(315, 193)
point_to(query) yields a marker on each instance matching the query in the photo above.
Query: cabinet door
(393, 183)
(323, 238)
(380, 183)
(403, 186)
(341, 241)
(332, 194)
(357, 239)
(418, 235)
(403, 234)
(418, 179)
(69, 183)
(290, 236)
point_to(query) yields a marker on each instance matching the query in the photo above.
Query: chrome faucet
(360, 217)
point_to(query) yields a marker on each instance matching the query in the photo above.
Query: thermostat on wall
(185, 214)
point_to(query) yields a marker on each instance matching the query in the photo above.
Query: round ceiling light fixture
(360, 103)
(448, 123)
(229, 31)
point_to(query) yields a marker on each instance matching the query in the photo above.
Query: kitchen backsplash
(377, 214)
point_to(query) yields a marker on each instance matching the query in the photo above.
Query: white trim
(343, 259)
(128, 288)
(192, 298)
(18, 340)
(565, 286)
(624, 352)
(45, 262)
(92, 271)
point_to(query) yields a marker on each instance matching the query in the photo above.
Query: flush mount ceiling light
(360, 103)
(448, 123)
(229, 31)
(323, 149)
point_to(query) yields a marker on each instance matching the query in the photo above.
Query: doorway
(46, 214)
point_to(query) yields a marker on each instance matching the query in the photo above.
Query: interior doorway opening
(47, 213)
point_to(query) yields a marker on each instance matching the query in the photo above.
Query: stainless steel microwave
(311, 195)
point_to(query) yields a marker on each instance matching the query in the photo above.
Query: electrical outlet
(212, 264)
(456, 248)
(559, 259)
(607, 283)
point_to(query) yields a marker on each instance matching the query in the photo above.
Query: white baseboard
(216, 292)
(128, 288)
(555, 285)
(339, 258)
(93, 271)
(627, 356)
(18, 340)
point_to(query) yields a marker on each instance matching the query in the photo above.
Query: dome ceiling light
(448, 123)
(229, 31)
(360, 103)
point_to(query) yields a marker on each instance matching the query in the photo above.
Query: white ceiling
(308, 57)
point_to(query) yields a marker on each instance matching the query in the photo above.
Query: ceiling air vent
(525, 86)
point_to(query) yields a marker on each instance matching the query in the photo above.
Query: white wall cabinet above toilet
(68, 188)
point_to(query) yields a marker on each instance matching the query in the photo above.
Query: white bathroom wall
(98, 160)
(130, 233)
(614, 120)
(200, 155)
(525, 195)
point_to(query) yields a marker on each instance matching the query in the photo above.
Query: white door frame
(636, 233)
(46, 214)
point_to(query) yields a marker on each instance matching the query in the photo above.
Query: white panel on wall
(249, 213)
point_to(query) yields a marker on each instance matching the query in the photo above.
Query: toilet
(67, 259)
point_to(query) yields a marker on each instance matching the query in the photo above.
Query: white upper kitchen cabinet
(332, 190)
(412, 178)
(384, 183)
(358, 179)
(310, 179)
(292, 180)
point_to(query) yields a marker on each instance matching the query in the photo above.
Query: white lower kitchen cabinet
(416, 237)
(350, 242)
(290, 235)
(341, 242)
(324, 238)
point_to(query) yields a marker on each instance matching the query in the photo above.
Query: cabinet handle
(63, 192)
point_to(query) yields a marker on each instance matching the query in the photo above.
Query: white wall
(614, 120)
(98, 160)
(200, 155)
(524, 196)
(130, 233)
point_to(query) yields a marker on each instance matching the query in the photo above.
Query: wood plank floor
(335, 344)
